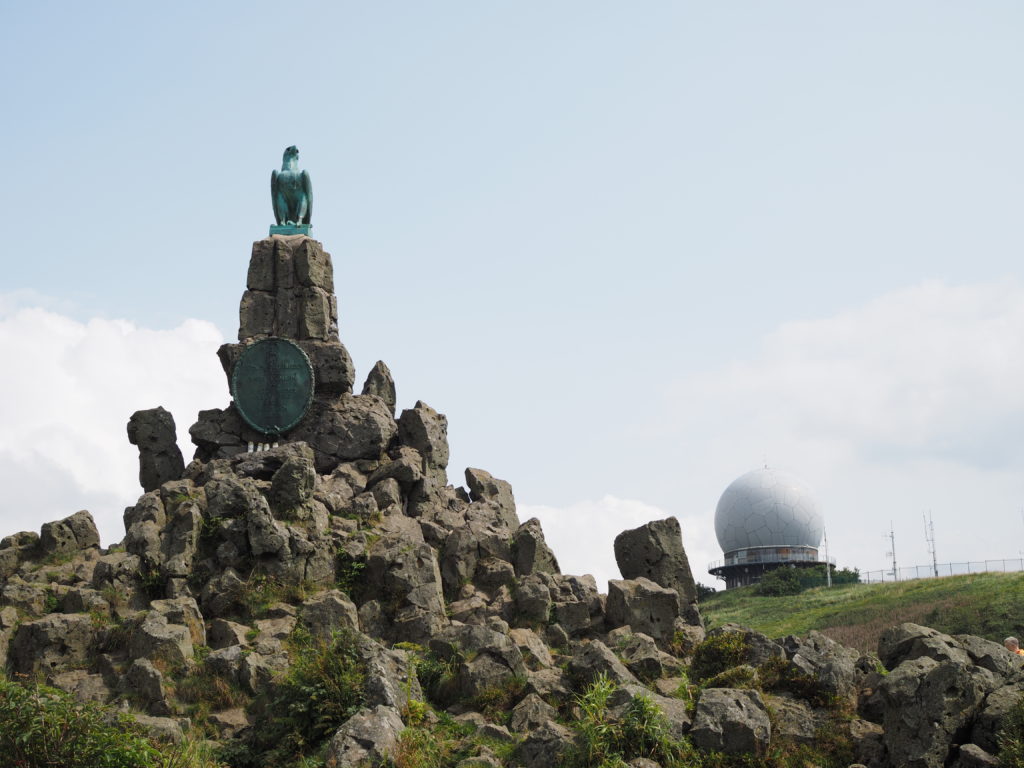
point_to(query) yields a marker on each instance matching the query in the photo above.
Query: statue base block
(289, 229)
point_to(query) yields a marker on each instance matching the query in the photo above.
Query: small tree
(781, 581)
(704, 592)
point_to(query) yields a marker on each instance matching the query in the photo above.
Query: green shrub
(434, 673)
(718, 653)
(740, 676)
(1011, 737)
(349, 572)
(642, 731)
(781, 581)
(324, 687)
(43, 727)
(704, 592)
(496, 701)
(778, 674)
(442, 745)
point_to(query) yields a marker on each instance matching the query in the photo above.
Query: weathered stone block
(426, 430)
(333, 371)
(261, 266)
(732, 721)
(313, 266)
(256, 315)
(160, 459)
(379, 382)
(69, 535)
(314, 318)
(655, 551)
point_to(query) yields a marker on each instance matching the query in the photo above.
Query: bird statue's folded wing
(273, 196)
(307, 188)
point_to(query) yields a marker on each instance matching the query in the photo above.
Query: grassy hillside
(990, 605)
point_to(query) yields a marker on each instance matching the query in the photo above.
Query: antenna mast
(929, 537)
(828, 567)
(892, 552)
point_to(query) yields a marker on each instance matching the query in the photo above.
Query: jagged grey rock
(991, 656)
(997, 705)
(426, 430)
(183, 611)
(532, 600)
(54, 641)
(655, 551)
(69, 535)
(758, 648)
(927, 703)
(333, 371)
(908, 641)
(644, 659)
(484, 657)
(145, 681)
(532, 712)
(346, 428)
(465, 547)
(390, 675)
(156, 638)
(83, 685)
(535, 651)
(831, 665)
(30, 598)
(368, 737)
(531, 552)
(595, 658)
(733, 721)
(643, 605)
(380, 383)
(576, 604)
(179, 538)
(973, 756)
(291, 487)
(485, 487)
(407, 579)
(160, 728)
(794, 719)
(328, 613)
(405, 467)
(544, 747)
(160, 458)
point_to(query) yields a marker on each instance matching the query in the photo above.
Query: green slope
(990, 605)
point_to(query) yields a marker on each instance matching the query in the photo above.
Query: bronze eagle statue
(291, 191)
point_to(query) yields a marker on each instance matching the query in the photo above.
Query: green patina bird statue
(291, 191)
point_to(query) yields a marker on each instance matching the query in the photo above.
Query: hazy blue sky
(632, 250)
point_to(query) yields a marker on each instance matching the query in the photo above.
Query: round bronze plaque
(272, 384)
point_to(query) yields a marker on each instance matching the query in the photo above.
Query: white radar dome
(767, 508)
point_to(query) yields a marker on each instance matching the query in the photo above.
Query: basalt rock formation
(436, 601)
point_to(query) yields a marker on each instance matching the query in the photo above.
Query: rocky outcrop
(72, 534)
(380, 383)
(655, 551)
(340, 569)
(160, 458)
(943, 691)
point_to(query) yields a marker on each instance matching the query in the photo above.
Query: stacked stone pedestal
(290, 294)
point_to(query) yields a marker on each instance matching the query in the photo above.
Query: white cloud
(66, 395)
(912, 402)
(582, 535)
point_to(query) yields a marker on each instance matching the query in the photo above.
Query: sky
(632, 251)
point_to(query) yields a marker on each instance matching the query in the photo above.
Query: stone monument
(289, 375)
